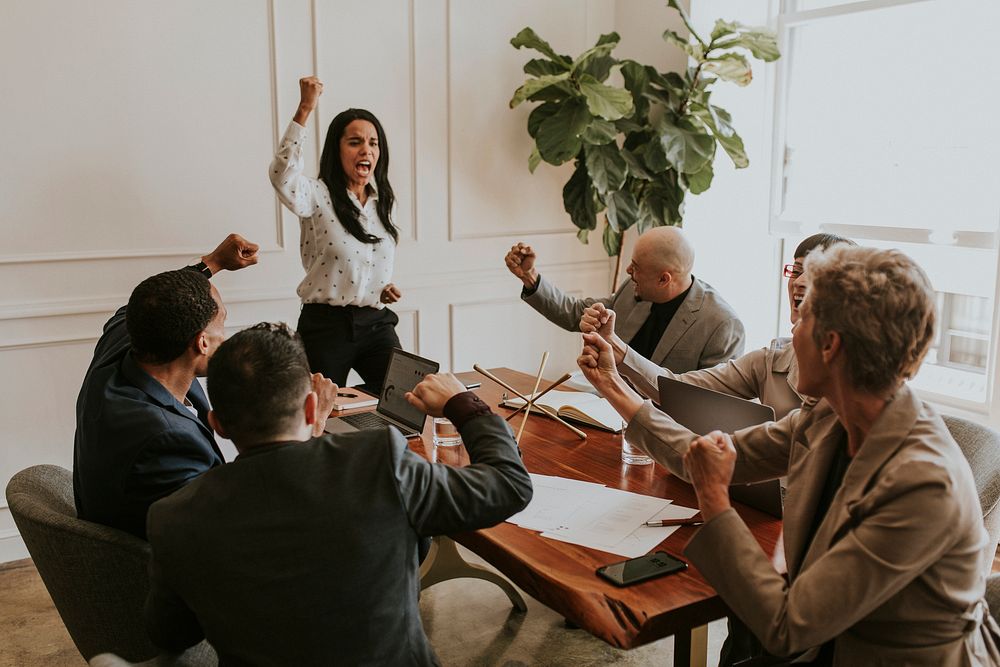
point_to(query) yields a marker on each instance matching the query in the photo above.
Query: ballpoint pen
(659, 523)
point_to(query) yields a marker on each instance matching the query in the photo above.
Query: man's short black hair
(166, 311)
(257, 381)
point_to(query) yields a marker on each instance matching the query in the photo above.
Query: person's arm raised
(310, 88)
(233, 254)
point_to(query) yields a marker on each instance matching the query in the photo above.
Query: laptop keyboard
(367, 420)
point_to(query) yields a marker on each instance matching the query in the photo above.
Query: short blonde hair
(882, 305)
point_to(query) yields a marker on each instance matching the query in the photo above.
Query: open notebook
(577, 406)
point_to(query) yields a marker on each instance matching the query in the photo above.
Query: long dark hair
(332, 173)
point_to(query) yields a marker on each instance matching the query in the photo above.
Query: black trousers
(339, 338)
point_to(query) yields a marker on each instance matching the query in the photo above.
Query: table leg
(443, 562)
(691, 648)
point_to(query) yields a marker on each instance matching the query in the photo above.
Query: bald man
(664, 312)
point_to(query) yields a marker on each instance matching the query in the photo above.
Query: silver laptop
(703, 410)
(405, 370)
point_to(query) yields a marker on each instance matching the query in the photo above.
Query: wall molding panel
(187, 160)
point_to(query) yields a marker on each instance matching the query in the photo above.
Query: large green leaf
(605, 101)
(534, 159)
(612, 241)
(605, 45)
(527, 38)
(557, 92)
(540, 114)
(606, 167)
(542, 67)
(700, 181)
(532, 86)
(636, 168)
(653, 156)
(623, 210)
(722, 29)
(582, 234)
(558, 137)
(687, 147)
(599, 132)
(760, 42)
(731, 67)
(599, 68)
(719, 121)
(578, 199)
(694, 50)
(662, 203)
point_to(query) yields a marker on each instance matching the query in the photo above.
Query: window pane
(891, 116)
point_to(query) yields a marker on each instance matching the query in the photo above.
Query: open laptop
(405, 370)
(703, 410)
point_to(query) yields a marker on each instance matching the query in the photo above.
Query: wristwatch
(202, 268)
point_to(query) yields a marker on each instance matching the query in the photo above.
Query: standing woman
(348, 241)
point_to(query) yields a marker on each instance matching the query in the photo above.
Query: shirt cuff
(528, 291)
(462, 408)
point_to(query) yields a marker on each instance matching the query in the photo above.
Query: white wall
(140, 135)
(137, 135)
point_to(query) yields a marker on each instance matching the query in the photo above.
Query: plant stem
(618, 262)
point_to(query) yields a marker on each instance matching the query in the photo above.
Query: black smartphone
(642, 568)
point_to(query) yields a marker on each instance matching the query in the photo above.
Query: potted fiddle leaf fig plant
(640, 147)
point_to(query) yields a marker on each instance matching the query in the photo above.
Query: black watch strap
(202, 268)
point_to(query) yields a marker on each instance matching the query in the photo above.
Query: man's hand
(599, 319)
(597, 362)
(390, 294)
(310, 88)
(521, 262)
(234, 253)
(434, 391)
(710, 462)
(326, 392)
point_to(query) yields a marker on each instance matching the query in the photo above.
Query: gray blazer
(895, 572)
(307, 553)
(704, 332)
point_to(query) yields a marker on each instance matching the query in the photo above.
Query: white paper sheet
(595, 516)
(640, 541)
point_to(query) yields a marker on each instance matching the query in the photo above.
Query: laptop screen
(404, 372)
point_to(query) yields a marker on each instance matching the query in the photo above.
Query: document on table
(595, 516)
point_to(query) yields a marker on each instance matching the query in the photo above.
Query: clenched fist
(521, 262)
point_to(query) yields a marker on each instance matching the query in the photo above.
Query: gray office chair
(981, 446)
(96, 575)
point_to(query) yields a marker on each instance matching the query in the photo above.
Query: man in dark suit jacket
(305, 551)
(141, 418)
(665, 313)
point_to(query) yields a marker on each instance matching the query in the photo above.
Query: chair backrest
(96, 575)
(981, 446)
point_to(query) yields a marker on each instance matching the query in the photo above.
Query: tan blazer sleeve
(742, 377)
(761, 451)
(889, 542)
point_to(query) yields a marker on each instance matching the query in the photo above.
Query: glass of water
(631, 454)
(445, 433)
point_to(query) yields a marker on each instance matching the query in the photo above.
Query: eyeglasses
(792, 271)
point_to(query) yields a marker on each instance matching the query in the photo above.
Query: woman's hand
(390, 294)
(310, 88)
(710, 462)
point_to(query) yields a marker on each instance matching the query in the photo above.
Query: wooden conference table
(561, 575)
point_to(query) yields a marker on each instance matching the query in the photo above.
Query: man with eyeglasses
(666, 314)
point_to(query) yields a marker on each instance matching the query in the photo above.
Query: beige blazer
(704, 332)
(769, 374)
(896, 571)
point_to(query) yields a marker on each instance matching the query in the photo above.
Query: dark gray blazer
(703, 333)
(134, 442)
(307, 553)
